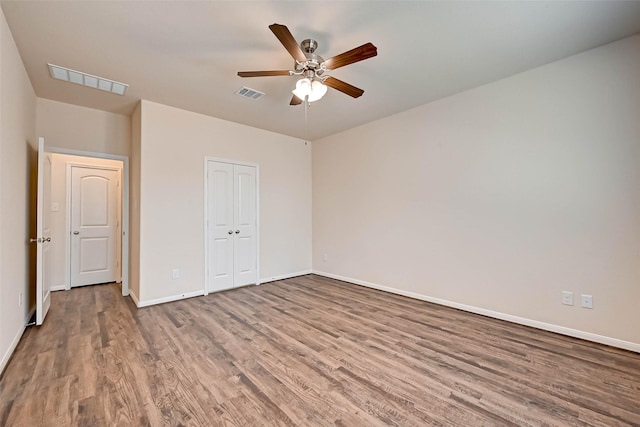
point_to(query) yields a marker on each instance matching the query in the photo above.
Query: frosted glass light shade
(303, 88)
(317, 91)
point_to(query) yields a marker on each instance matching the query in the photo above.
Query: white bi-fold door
(231, 225)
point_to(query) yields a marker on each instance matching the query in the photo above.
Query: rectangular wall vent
(84, 79)
(247, 92)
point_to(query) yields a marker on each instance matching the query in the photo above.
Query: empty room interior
(351, 213)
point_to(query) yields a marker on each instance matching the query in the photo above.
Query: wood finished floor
(305, 351)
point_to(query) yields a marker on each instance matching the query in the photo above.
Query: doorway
(90, 196)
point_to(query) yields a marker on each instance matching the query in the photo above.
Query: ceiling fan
(312, 67)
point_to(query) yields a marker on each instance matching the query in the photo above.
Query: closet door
(231, 225)
(244, 255)
(220, 225)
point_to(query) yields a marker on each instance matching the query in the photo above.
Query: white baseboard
(11, 349)
(141, 304)
(147, 303)
(134, 297)
(284, 276)
(57, 288)
(613, 342)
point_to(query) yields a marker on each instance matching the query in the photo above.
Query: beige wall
(17, 142)
(498, 198)
(134, 205)
(174, 144)
(58, 256)
(84, 129)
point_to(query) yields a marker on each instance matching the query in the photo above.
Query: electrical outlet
(587, 301)
(325, 257)
(175, 273)
(20, 299)
(567, 298)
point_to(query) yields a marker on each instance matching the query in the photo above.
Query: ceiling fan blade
(360, 53)
(343, 87)
(295, 100)
(264, 73)
(284, 35)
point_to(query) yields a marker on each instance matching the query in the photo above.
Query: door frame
(208, 159)
(124, 203)
(69, 186)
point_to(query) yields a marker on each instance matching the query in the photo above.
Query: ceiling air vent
(89, 80)
(247, 92)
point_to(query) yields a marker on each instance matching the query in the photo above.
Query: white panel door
(43, 233)
(245, 225)
(93, 225)
(220, 225)
(231, 225)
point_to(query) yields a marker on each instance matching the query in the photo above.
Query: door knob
(237, 231)
(230, 231)
(48, 239)
(76, 232)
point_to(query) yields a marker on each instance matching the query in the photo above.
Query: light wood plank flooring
(305, 351)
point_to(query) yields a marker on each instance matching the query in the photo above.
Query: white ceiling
(186, 53)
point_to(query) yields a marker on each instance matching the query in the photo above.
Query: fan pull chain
(306, 118)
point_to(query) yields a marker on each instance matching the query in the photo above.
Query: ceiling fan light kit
(309, 90)
(312, 67)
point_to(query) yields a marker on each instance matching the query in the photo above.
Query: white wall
(174, 144)
(17, 145)
(59, 257)
(498, 198)
(84, 129)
